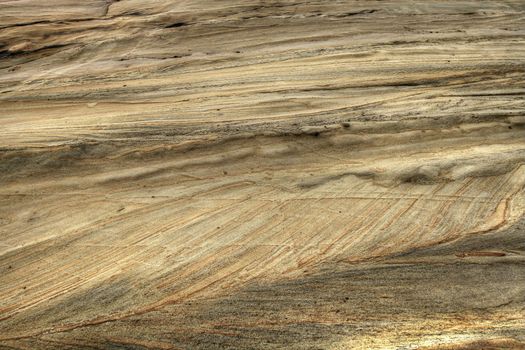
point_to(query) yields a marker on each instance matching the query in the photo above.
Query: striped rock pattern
(280, 174)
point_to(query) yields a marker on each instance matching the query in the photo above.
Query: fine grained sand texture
(239, 174)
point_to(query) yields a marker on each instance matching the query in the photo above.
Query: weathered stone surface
(269, 174)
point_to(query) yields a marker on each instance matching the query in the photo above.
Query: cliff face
(274, 174)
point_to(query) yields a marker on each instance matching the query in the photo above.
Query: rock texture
(268, 174)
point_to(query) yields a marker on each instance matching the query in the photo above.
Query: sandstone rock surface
(254, 175)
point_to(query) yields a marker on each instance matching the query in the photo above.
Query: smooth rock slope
(255, 175)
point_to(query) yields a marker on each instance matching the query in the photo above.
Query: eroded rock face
(280, 174)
